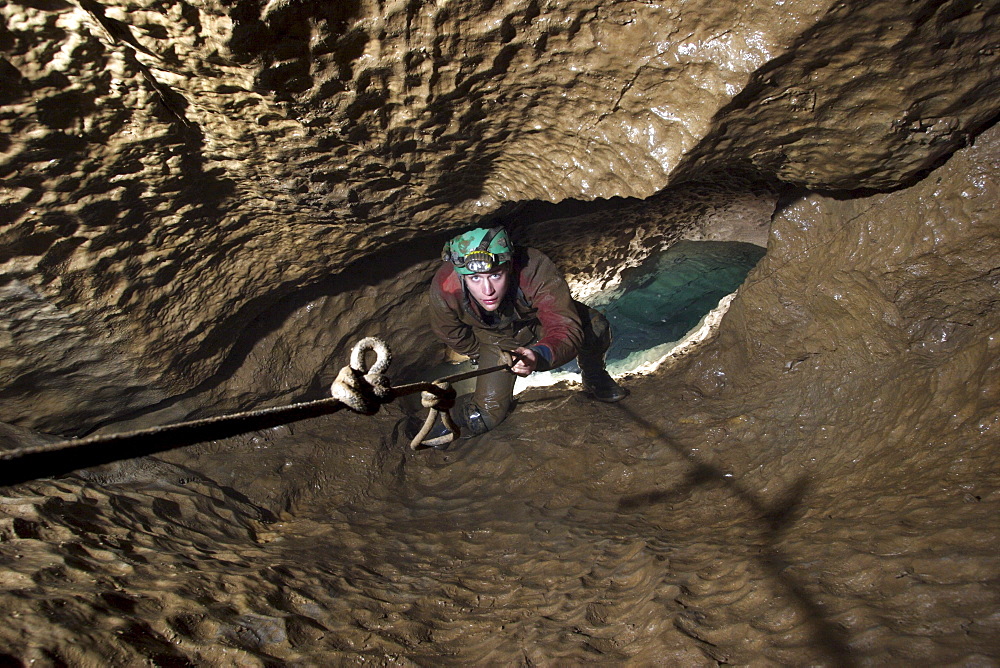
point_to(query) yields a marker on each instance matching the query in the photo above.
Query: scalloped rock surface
(173, 172)
(205, 204)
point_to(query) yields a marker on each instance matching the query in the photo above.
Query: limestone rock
(204, 203)
(872, 96)
(172, 173)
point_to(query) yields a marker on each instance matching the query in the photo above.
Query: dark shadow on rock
(280, 39)
(774, 519)
(151, 644)
(696, 476)
(266, 314)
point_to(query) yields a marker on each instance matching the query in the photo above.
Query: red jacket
(537, 301)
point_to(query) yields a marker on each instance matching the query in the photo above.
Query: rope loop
(382, 359)
(441, 399)
(364, 390)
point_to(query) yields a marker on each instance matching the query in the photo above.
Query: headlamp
(479, 262)
(478, 251)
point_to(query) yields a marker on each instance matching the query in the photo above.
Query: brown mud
(207, 204)
(575, 533)
(828, 496)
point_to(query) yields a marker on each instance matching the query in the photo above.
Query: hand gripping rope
(360, 389)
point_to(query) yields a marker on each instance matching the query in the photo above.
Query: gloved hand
(525, 361)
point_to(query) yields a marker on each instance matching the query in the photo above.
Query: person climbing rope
(500, 304)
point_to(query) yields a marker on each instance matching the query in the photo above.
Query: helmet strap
(484, 245)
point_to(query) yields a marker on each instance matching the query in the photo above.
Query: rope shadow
(776, 519)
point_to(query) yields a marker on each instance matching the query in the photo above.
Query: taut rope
(359, 389)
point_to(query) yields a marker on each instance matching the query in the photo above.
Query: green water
(667, 296)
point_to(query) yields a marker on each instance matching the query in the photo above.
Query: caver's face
(488, 288)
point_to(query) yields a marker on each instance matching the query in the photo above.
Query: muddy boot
(597, 381)
(470, 420)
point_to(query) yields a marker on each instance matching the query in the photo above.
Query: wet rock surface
(204, 206)
(150, 149)
(844, 107)
(726, 512)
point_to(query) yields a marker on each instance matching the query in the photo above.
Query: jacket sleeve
(547, 291)
(445, 322)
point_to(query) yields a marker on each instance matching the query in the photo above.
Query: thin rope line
(55, 459)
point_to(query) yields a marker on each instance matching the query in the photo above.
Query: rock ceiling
(172, 170)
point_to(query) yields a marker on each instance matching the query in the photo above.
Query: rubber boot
(597, 381)
(470, 420)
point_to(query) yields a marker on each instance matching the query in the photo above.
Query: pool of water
(662, 300)
(665, 298)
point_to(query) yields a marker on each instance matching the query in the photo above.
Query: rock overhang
(176, 174)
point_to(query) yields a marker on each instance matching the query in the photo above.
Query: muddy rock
(204, 205)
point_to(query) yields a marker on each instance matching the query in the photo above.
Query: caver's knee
(489, 405)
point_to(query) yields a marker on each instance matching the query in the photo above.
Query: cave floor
(576, 532)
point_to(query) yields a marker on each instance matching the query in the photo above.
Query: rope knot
(440, 401)
(361, 390)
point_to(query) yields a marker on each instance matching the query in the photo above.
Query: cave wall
(865, 342)
(204, 203)
(174, 172)
(871, 97)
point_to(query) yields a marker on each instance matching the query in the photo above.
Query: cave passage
(663, 299)
(666, 297)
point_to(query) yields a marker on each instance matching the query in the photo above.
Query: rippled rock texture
(204, 205)
(151, 149)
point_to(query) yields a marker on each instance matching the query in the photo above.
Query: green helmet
(478, 251)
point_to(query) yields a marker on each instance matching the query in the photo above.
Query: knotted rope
(360, 389)
(364, 391)
(437, 405)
